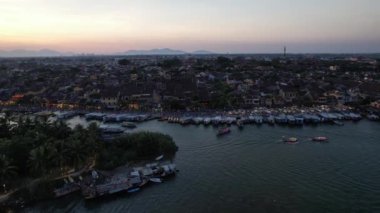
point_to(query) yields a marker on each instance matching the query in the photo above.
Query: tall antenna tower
(284, 51)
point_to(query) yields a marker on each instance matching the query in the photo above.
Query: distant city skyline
(221, 26)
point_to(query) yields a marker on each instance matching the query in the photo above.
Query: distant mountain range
(33, 53)
(53, 53)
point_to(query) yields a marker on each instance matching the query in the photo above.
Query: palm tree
(40, 159)
(60, 156)
(77, 151)
(7, 170)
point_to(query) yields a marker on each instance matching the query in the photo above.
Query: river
(251, 170)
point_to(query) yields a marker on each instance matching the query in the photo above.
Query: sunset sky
(236, 26)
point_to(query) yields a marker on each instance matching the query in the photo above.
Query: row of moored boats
(97, 184)
(285, 119)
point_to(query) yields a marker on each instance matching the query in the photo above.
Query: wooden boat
(320, 139)
(128, 125)
(339, 123)
(223, 131)
(291, 140)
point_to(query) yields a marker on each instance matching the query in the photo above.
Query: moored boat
(291, 140)
(223, 131)
(128, 125)
(339, 123)
(320, 139)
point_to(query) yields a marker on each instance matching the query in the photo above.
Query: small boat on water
(320, 139)
(223, 131)
(339, 123)
(129, 125)
(155, 180)
(291, 140)
(159, 157)
(133, 190)
(107, 129)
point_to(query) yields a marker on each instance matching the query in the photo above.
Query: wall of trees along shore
(33, 152)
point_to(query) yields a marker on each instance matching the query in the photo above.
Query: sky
(225, 26)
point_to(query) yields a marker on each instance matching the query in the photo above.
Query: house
(288, 94)
(109, 98)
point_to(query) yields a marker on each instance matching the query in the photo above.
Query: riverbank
(33, 153)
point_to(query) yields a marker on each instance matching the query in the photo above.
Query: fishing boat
(207, 121)
(128, 125)
(291, 140)
(155, 180)
(240, 125)
(291, 119)
(133, 190)
(270, 120)
(107, 129)
(320, 139)
(372, 117)
(281, 119)
(339, 123)
(94, 116)
(299, 120)
(159, 158)
(223, 131)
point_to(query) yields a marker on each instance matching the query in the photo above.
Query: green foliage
(135, 147)
(7, 169)
(38, 148)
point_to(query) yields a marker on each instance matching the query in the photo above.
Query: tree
(77, 151)
(40, 159)
(7, 169)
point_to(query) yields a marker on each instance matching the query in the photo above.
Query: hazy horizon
(223, 26)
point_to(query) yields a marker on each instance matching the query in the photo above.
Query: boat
(207, 121)
(197, 120)
(291, 140)
(223, 131)
(128, 125)
(281, 119)
(291, 119)
(355, 116)
(94, 116)
(65, 115)
(107, 129)
(339, 123)
(240, 125)
(258, 119)
(159, 157)
(155, 180)
(299, 120)
(320, 139)
(133, 190)
(372, 117)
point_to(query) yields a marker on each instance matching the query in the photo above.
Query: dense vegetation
(33, 149)
(135, 147)
(38, 148)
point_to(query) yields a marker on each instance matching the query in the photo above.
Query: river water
(250, 170)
